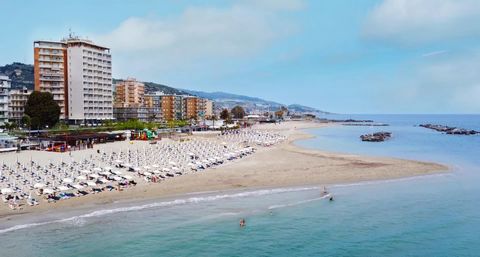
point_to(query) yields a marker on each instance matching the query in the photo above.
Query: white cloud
(198, 35)
(290, 5)
(410, 22)
(434, 53)
(449, 83)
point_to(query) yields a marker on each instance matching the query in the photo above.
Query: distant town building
(16, 107)
(78, 73)
(172, 107)
(197, 108)
(130, 93)
(5, 85)
(141, 113)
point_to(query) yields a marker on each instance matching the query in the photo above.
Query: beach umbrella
(63, 188)
(156, 171)
(48, 191)
(93, 176)
(116, 172)
(39, 185)
(86, 172)
(127, 177)
(81, 178)
(91, 183)
(147, 174)
(117, 178)
(103, 180)
(97, 169)
(68, 180)
(118, 161)
(6, 191)
(108, 168)
(78, 186)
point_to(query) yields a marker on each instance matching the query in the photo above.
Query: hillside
(20, 74)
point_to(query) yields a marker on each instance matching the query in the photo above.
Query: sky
(342, 56)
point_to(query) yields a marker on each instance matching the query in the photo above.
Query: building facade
(16, 107)
(50, 72)
(197, 108)
(129, 93)
(78, 73)
(172, 107)
(5, 85)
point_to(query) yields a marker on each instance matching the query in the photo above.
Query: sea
(434, 215)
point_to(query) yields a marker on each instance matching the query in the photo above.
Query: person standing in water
(242, 223)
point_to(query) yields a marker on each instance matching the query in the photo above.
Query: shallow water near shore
(433, 215)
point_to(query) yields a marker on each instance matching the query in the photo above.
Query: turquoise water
(435, 215)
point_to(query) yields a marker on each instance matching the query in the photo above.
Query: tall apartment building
(16, 107)
(197, 108)
(50, 71)
(191, 107)
(79, 75)
(172, 107)
(129, 93)
(4, 98)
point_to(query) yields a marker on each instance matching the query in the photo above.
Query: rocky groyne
(449, 130)
(376, 137)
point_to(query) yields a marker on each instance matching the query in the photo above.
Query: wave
(77, 220)
(278, 206)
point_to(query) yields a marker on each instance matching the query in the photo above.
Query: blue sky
(369, 56)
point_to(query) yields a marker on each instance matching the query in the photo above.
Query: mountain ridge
(22, 75)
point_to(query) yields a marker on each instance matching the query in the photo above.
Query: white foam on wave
(77, 220)
(278, 206)
(384, 181)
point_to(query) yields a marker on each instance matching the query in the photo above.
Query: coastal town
(75, 106)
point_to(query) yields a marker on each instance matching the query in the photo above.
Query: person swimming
(242, 223)
(331, 198)
(325, 191)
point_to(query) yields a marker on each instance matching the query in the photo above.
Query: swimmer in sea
(331, 198)
(242, 222)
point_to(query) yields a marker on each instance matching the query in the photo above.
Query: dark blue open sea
(436, 215)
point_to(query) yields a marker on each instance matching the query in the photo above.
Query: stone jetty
(449, 130)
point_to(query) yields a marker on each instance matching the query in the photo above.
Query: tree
(238, 112)
(279, 114)
(213, 118)
(26, 121)
(42, 109)
(225, 115)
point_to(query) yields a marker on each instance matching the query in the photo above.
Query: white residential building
(4, 98)
(78, 73)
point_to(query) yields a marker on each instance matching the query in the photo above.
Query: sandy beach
(282, 165)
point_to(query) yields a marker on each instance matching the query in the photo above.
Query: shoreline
(269, 168)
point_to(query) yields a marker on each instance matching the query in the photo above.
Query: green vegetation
(238, 112)
(42, 110)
